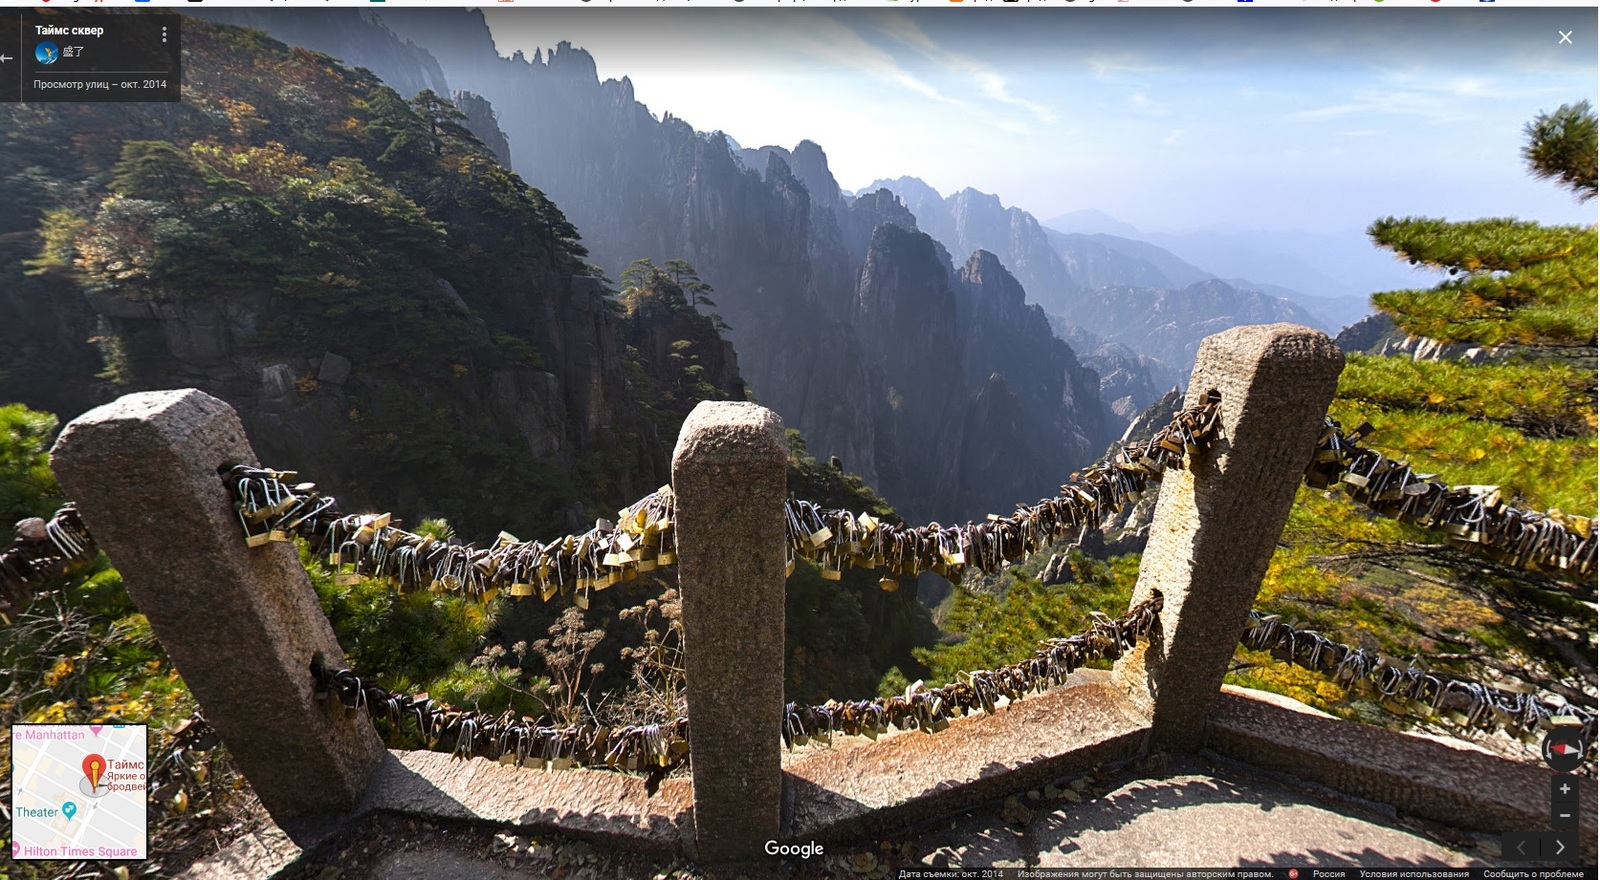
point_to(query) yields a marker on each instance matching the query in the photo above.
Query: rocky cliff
(390, 310)
(1168, 325)
(356, 37)
(848, 328)
(969, 220)
(485, 123)
(1129, 381)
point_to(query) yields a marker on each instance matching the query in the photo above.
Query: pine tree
(1563, 145)
(445, 123)
(1522, 419)
(1511, 281)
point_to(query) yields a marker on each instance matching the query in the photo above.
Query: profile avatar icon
(46, 52)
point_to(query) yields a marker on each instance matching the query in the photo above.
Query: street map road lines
(79, 791)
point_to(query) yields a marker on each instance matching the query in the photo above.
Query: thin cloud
(834, 42)
(899, 27)
(1102, 66)
(1452, 100)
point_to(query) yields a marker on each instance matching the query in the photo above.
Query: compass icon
(46, 52)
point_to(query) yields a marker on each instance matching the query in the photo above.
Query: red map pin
(94, 767)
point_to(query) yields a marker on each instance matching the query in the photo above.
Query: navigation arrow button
(5, 58)
(1563, 847)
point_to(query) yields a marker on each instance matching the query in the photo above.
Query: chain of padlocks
(508, 739)
(180, 762)
(932, 709)
(512, 739)
(657, 748)
(271, 509)
(1470, 517)
(1410, 686)
(41, 550)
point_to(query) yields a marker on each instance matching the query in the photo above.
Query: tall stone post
(241, 625)
(728, 480)
(1216, 523)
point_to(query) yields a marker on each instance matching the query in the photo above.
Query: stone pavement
(1186, 811)
(1204, 814)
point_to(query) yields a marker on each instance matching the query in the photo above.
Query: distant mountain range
(926, 373)
(1089, 249)
(1330, 275)
(1109, 288)
(892, 325)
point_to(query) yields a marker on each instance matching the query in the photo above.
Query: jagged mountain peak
(996, 294)
(778, 171)
(810, 164)
(971, 220)
(807, 162)
(907, 186)
(971, 198)
(573, 61)
(982, 262)
(888, 237)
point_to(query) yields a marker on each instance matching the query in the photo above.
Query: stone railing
(244, 629)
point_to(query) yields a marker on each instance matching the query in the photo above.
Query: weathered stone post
(729, 474)
(1216, 524)
(241, 625)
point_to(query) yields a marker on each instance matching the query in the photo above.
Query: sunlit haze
(1269, 119)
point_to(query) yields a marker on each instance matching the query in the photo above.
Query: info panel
(67, 56)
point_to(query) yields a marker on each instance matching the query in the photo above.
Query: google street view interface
(1189, 413)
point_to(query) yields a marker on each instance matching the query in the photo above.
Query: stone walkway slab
(1201, 816)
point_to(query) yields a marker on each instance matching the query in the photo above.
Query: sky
(1168, 119)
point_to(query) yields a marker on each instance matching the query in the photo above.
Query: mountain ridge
(801, 273)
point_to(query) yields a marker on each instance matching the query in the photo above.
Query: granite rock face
(1378, 335)
(970, 220)
(1168, 325)
(1129, 381)
(483, 121)
(848, 321)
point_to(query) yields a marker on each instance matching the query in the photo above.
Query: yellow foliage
(62, 668)
(55, 713)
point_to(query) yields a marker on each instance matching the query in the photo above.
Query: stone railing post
(729, 474)
(1217, 523)
(241, 625)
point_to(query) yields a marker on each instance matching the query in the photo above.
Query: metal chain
(508, 738)
(193, 734)
(522, 741)
(838, 538)
(41, 550)
(1468, 703)
(367, 545)
(931, 709)
(270, 509)
(1472, 517)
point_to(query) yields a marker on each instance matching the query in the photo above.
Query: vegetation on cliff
(1522, 419)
